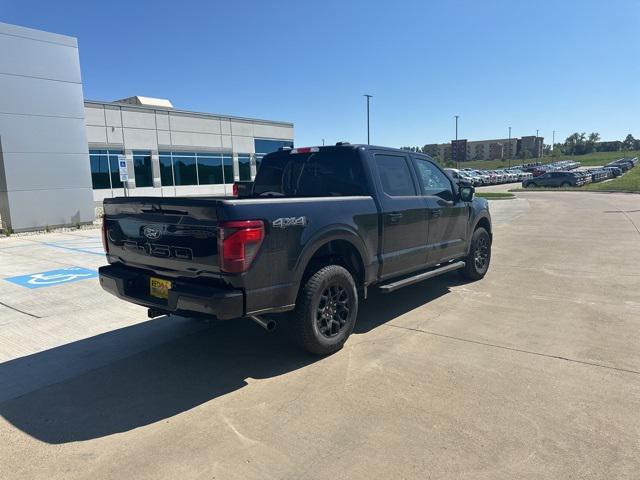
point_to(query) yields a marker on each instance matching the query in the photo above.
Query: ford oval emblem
(151, 232)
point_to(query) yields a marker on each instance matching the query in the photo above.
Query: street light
(457, 156)
(510, 149)
(368, 131)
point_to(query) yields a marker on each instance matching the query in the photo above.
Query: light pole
(457, 159)
(368, 131)
(553, 141)
(510, 149)
(536, 145)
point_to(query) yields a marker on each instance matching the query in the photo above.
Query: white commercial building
(59, 153)
(173, 152)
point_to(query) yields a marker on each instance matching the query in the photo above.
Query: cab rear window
(329, 172)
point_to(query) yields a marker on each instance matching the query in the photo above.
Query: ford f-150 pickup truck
(317, 228)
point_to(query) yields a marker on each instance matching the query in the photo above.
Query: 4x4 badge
(289, 222)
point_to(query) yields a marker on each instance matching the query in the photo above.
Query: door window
(432, 180)
(395, 176)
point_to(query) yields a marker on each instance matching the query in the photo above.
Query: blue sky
(563, 65)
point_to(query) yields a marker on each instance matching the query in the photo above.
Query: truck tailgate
(175, 236)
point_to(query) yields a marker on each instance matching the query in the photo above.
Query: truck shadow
(163, 381)
(380, 308)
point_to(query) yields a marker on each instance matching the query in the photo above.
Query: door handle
(436, 212)
(394, 217)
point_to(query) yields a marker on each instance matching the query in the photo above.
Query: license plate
(159, 288)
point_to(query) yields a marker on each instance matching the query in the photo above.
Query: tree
(575, 144)
(590, 144)
(629, 143)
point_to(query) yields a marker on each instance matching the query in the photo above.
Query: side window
(432, 180)
(395, 176)
(332, 175)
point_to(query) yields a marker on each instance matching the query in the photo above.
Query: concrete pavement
(533, 372)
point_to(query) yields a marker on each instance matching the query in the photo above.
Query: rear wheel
(477, 262)
(326, 311)
(565, 184)
(531, 185)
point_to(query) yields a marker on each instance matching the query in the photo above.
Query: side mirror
(466, 192)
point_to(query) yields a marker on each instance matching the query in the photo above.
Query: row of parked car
(562, 173)
(559, 166)
(624, 164)
(578, 178)
(489, 177)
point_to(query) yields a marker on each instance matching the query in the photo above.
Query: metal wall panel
(43, 130)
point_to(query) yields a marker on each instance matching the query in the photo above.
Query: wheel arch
(485, 223)
(340, 246)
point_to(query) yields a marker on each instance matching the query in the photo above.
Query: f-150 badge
(289, 222)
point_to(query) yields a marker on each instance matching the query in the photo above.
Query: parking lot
(533, 372)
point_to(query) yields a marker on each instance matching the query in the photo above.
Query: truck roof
(364, 146)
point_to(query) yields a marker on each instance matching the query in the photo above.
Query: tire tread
(301, 330)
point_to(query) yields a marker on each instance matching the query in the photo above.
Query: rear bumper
(132, 285)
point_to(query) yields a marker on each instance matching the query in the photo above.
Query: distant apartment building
(496, 149)
(532, 144)
(458, 151)
(440, 150)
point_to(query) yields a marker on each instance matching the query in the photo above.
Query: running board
(449, 267)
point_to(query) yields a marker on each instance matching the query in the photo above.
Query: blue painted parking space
(52, 278)
(89, 248)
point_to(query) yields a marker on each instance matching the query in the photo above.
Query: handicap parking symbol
(53, 277)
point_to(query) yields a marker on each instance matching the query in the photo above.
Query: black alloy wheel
(481, 253)
(333, 310)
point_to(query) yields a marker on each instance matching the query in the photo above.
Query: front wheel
(326, 311)
(565, 185)
(477, 262)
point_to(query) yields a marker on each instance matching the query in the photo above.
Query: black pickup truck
(317, 228)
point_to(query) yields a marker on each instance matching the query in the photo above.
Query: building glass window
(227, 165)
(264, 146)
(185, 168)
(166, 169)
(104, 169)
(115, 171)
(142, 168)
(210, 169)
(244, 166)
(195, 168)
(100, 171)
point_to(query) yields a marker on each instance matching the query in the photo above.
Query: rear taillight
(238, 244)
(105, 243)
(234, 192)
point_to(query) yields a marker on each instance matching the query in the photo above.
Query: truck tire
(477, 262)
(565, 184)
(326, 311)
